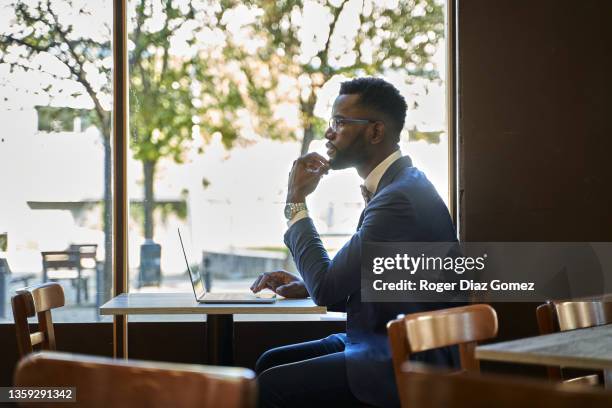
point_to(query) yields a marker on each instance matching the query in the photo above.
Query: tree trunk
(149, 200)
(308, 117)
(308, 138)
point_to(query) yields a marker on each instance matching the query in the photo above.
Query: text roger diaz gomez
(463, 284)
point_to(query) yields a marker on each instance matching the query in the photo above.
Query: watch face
(288, 211)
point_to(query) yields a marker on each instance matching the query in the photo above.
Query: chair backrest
(434, 389)
(581, 314)
(548, 323)
(463, 326)
(106, 382)
(61, 259)
(31, 301)
(570, 315)
(86, 250)
(546, 316)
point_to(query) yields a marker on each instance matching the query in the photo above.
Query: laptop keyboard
(231, 296)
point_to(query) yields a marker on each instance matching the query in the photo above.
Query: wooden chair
(105, 382)
(570, 315)
(88, 261)
(65, 265)
(31, 301)
(463, 326)
(428, 388)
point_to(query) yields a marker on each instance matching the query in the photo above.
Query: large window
(225, 95)
(55, 151)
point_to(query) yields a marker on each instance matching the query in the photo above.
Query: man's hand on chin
(282, 283)
(305, 176)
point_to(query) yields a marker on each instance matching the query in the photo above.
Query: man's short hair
(380, 95)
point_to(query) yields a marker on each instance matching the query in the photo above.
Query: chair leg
(85, 288)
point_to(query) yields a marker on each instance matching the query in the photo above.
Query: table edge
(511, 357)
(195, 310)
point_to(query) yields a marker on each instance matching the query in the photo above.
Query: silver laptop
(199, 289)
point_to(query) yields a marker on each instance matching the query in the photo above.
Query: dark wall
(180, 342)
(535, 126)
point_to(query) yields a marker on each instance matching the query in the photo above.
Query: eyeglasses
(335, 122)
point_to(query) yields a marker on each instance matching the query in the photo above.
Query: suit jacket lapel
(360, 219)
(387, 178)
(392, 171)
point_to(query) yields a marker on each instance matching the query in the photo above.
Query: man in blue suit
(401, 206)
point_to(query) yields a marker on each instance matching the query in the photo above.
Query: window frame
(120, 140)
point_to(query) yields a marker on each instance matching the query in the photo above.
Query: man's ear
(377, 132)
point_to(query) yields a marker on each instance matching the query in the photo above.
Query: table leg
(120, 332)
(220, 339)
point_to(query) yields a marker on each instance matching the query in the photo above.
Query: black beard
(350, 156)
(341, 160)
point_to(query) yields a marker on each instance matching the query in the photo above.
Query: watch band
(293, 208)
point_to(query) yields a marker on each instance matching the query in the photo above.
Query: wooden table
(219, 317)
(589, 348)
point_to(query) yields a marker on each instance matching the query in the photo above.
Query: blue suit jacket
(405, 207)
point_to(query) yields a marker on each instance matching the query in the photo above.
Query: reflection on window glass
(55, 152)
(225, 95)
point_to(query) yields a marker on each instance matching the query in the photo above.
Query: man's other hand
(282, 283)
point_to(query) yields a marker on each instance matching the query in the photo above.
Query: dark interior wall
(535, 126)
(180, 342)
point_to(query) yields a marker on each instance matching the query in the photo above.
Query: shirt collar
(372, 180)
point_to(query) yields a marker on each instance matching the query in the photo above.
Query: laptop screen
(199, 289)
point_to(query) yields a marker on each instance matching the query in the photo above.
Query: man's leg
(299, 352)
(316, 382)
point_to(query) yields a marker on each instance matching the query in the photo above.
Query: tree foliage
(307, 43)
(55, 30)
(162, 104)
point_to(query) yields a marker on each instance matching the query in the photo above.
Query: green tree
(313, 41)
(161, 99)
(177, 93)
